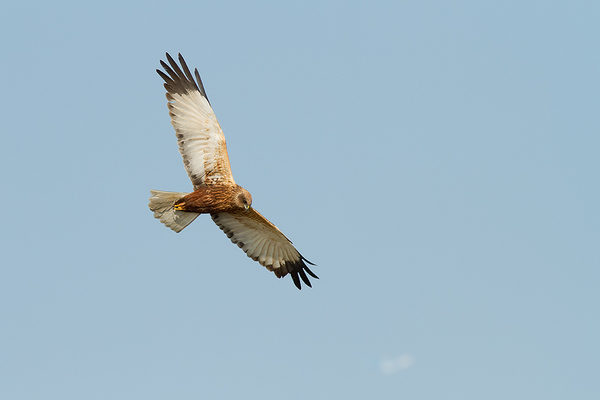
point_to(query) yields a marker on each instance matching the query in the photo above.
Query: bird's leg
(179, 206)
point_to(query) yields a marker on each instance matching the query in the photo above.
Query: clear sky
(439, 162)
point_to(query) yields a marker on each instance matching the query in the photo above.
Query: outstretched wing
(264, 242)
(199, 136)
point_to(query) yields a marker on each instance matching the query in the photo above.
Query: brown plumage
(215, 199)
(204, 151)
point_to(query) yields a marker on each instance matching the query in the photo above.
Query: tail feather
(162, 205)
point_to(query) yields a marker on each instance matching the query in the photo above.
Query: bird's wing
(264, 242)
(199, 136)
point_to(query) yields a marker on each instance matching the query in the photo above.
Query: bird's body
(214, 199)
(204, 151)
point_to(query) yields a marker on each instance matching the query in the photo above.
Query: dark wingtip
(308, 269)
(296, 280)
(170, 59)
(310, 272)
(299, 270)
(180, 79)
(304, 278)
(304, 259)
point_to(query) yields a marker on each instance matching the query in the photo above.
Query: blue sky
(438, 161)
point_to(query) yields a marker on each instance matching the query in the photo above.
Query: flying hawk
(202, 146)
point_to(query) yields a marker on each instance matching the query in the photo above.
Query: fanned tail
(162, 204)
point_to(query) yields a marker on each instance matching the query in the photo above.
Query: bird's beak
(246, 207)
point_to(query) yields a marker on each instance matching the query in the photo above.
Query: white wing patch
(199, 136)
(264, 242)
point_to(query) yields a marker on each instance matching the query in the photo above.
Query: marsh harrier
(202, 146)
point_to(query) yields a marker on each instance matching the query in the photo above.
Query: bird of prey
(202, 146)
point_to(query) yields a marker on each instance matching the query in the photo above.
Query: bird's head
(244, 199)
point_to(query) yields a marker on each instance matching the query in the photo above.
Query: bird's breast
(209, 199)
